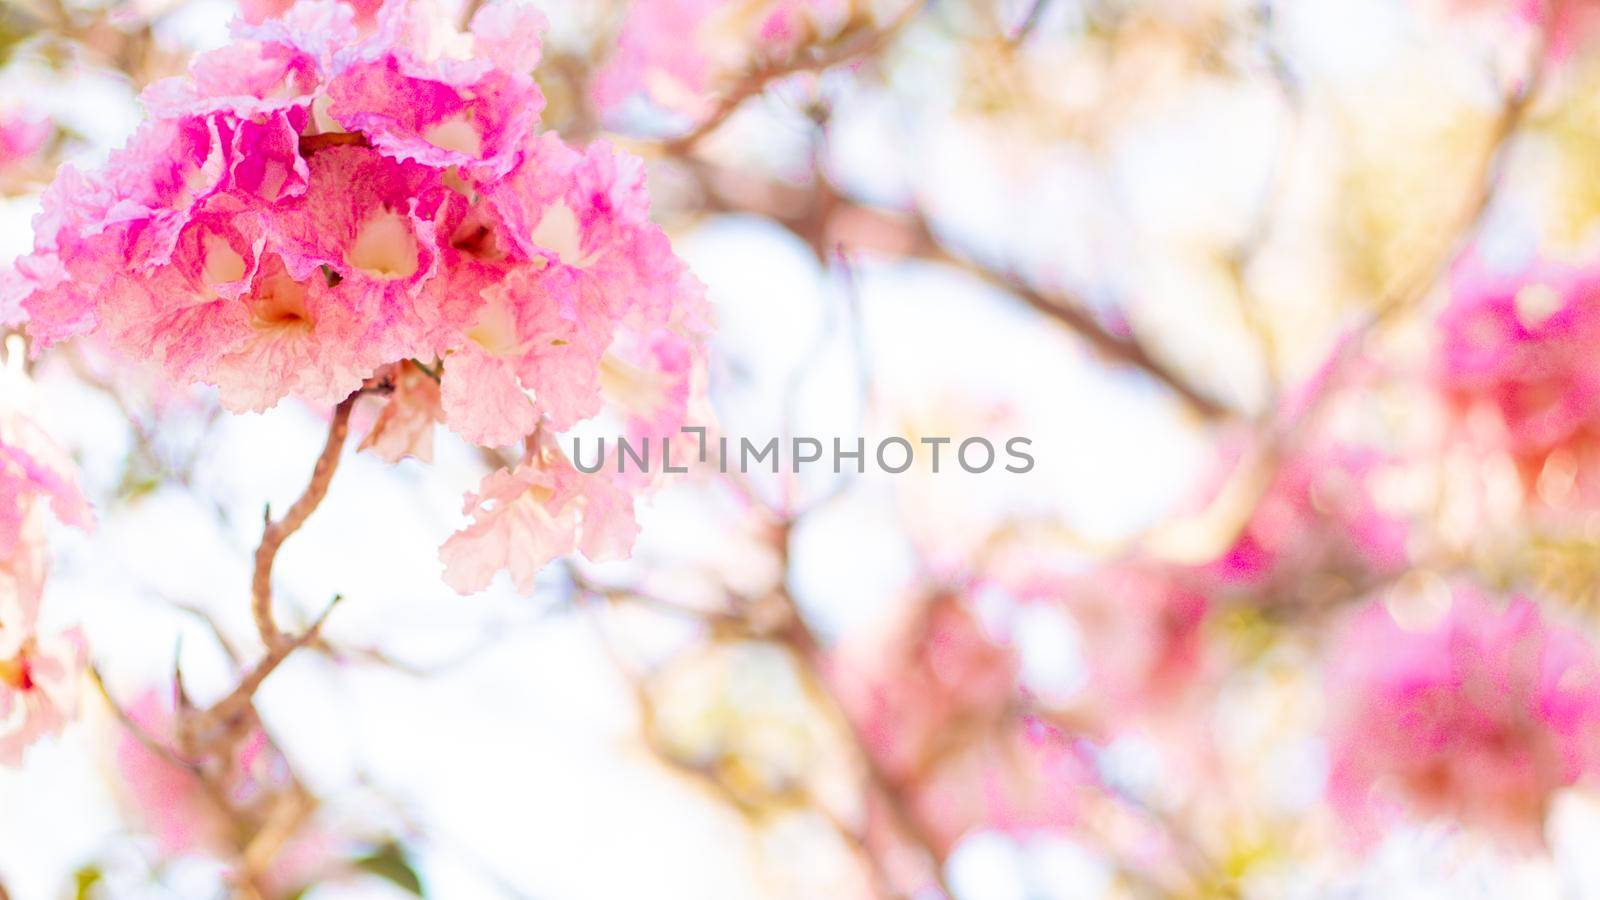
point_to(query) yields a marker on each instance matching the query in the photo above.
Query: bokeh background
(1204, 254)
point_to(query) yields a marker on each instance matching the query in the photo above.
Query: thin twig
(854, 47)
(808, 654)
(134, 728)
(861, 226)
(229, 707)
(275, 533)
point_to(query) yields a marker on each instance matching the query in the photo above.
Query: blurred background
(1222, 262)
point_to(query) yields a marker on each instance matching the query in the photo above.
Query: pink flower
(169, 798)
(22, 140)
(1318, 512)
(1520, 345)
(39, 672)
(1568, 22)
(33, 471)
(1142, 627)
(473, 113)
(405, 425)
(39, 677)
(258, 11)
(936, 705)
(524, 517)
(938, 672)
(561, 264)
(1480, 718)
(1025, 778)
(218, 813)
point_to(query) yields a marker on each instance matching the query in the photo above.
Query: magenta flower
(1521, 345)
(1478, 719)
(1319, 511)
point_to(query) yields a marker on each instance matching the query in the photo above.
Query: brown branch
(1415, 284)
(275, 533)
(853, 46)
(127, 721)
(226, 710)
(809, 657)
(821, 216)
(468, 10)
(1123, 349)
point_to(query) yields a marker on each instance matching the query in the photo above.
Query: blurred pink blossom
(1479, 718)
(938, 706)
(1520, 345)
(39, 671)
(22, 139)
(1318, 512)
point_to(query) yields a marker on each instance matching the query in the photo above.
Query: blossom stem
(275, 533)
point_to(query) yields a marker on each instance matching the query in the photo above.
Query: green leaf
(389, 863)
(84, 881)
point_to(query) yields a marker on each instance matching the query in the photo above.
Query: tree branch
(275, 533)
(821, 216)
(848, 48)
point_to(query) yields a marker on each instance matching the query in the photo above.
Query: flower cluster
(324, 205)
(1520, 346)
(1479, 718)
(674, 52)
(39, 670)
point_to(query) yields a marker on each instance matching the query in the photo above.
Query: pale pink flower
(39, 677)
(169, 798)
(526, 516)
(938, 671)
(1568, 23)
(22, 140)
(33, 470)
(530, 333)
(39, 672)
(187, 816)
(406, 423)
(1142, 627)
(1478, 719)
(1025, 778)
(564, 263)
(937, 705)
